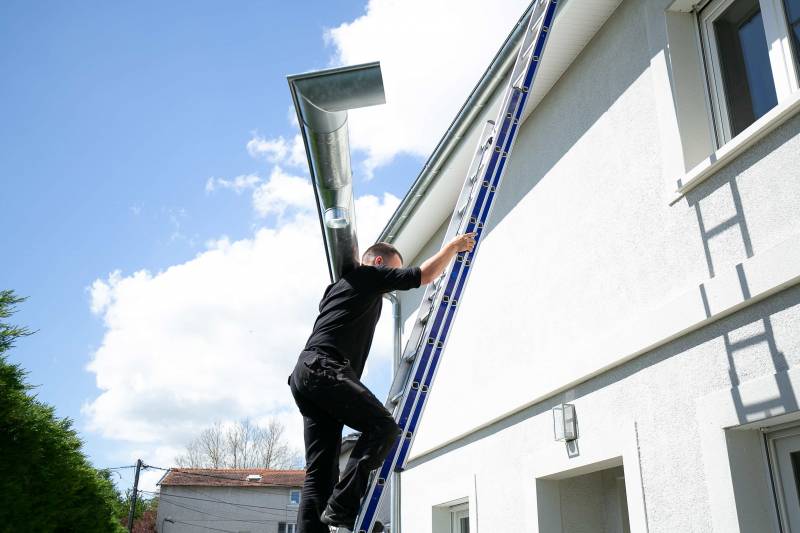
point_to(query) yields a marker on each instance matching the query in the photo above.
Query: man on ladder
(326, 386)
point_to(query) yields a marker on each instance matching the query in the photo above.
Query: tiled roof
(233, 477)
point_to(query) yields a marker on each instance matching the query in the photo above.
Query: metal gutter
(472, 108)
(321, 100)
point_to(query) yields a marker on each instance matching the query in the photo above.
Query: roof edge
(466, 116)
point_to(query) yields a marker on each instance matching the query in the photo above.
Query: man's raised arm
(433, 267)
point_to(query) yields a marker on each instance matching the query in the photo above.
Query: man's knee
(389, 430)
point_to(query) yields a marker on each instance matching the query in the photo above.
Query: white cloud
(278, 150)
(297, 153)
(273, 150)
(281, 193)
(237, 184)
(102, 291)
(214, 338)
(291, 116)
(426, 77)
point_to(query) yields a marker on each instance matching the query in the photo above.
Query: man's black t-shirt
(350, 308)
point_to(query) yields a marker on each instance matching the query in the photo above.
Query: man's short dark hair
(380, 249)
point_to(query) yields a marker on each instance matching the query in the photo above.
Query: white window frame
(289, 527)
(292, 491)
(458, 512)
(776, 474)
(781, 56)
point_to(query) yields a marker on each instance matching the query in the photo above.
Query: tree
(240, 445)
(47, 484)
(144, 515)
(272, 449)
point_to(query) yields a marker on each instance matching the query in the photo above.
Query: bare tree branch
(240, 445)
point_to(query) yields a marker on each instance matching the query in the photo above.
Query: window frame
(457, 512)
(771, 436)
(288, 527)
(783, 64)
(291, 492)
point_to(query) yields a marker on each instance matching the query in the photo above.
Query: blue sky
(113, 117)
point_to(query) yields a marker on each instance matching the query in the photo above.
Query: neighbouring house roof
(349, 442)
(432, 196)
(232, 477)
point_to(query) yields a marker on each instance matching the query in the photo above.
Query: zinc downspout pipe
(474, 105)
(321, 100)
(398, 328)
(397, 338)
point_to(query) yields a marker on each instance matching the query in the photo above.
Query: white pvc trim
(728, 152)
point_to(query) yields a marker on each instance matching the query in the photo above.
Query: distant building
(250, 500)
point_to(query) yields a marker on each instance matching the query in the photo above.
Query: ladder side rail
(457, 217)
(452, 293)
(426, 304)
(447, 306)
(508, 118)
(424, 324)
(411, 387)
(513, 115)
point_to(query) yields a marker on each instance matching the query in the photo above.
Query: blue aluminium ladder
(420, 361)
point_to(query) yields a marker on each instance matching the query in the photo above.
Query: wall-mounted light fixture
(565, 427)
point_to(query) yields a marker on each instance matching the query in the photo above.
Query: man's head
(382, 254)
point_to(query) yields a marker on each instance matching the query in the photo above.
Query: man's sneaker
(330, 518)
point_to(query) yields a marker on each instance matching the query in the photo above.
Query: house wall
(591, 288)
(256, 509)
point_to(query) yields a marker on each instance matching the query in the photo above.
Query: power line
(176, 504)
(222, 518)
(204, 527)
(214, 500)
(257, 521)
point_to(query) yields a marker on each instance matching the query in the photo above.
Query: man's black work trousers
(330, 395)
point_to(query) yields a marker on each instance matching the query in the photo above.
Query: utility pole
(134, 495)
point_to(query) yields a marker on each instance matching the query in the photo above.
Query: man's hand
(433, 267)
(463, 243)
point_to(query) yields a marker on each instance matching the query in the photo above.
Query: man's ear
(378, 260)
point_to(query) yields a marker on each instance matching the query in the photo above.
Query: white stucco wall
(591, 288)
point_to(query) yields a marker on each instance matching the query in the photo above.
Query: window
(283, 527)
(783, 448)
(751, 50)
(294, 497)
(792, 8)
(459, 519)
